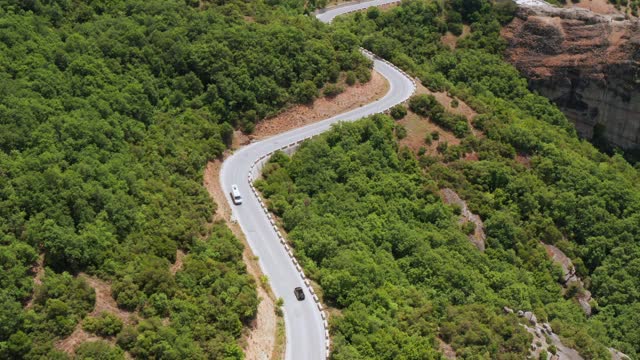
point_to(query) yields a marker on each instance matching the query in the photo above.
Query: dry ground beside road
(323, 108)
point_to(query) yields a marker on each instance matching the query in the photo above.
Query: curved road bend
(327, 15)
(303, 323)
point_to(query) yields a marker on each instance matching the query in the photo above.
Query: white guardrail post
(257, 166)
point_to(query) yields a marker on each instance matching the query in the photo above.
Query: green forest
(109, 111)
(367, 223)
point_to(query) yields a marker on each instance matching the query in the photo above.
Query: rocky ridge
(543, 338)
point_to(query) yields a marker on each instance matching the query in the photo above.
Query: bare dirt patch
(451, 40)
(105, 301)
(77, 337)
(211, 182)
(177, 266)
(446, 349)
(446, 101)
(387, 7)
(472, 156)
(260, 339)
(334, 3)
(281, 338)
(240, 139)
(524, 160)
(323, 108)
(37, 269)
(417, 129)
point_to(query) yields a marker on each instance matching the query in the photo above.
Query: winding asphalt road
(303, 322)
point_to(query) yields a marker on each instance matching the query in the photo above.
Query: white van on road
(235, 195)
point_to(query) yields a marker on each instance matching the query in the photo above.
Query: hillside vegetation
(367, 223)
(110, 110)
(108, 113)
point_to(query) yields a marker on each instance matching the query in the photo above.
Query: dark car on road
(299, 293)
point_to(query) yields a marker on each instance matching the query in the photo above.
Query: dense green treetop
(110, 110)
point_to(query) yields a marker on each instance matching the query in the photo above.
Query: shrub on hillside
(398, 112)
(332, 90)
(105, 324)
(425, 105)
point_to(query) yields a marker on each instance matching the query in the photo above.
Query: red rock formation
(588, 64)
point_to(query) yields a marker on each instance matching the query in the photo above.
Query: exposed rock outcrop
(477, 237)
(587, 63)
(617, 355)
(543, 338)
(570, 278)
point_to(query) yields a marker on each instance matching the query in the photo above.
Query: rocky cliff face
(588, 64)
